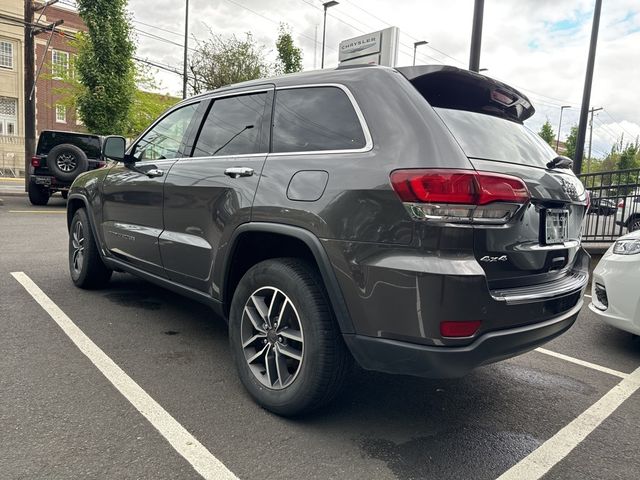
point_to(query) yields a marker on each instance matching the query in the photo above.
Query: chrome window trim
(246, 155)
(235, 93)
(363, 123)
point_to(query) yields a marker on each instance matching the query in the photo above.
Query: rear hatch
(540, 243)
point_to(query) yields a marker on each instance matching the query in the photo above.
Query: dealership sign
(377, 48)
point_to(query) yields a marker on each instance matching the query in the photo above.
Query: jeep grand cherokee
(403, 218)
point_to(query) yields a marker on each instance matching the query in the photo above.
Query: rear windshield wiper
(560, 162)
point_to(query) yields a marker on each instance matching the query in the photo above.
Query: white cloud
(537, 46)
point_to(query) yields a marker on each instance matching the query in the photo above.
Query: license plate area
(43, 181)
(556, 225)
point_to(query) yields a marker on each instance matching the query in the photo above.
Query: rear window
(89, 144)
(315, 118)
(491, 138)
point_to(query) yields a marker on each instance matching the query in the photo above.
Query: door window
(233, 127)
(165, 137)
(315, 118)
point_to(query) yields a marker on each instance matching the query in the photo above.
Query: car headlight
(626, 247)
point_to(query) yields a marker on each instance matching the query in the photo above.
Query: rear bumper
(392, 356)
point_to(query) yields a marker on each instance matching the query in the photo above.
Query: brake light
(621, 204)
(460, 195)
(459, 329)
(35, 162)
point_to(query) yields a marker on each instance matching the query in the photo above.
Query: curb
(13, 194)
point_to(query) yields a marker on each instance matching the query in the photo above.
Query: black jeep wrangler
(60, 157)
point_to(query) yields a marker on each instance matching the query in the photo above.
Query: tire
(38, 195)
(85, 265)
(66, 162)
(294, 386)
(634, 224)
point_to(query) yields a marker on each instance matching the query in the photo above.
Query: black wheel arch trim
(92, 221)
(317, 250)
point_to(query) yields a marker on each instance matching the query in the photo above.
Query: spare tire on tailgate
(66, 162)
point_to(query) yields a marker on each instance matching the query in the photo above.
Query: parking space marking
(37, 211)
(586, 295)
(178, 437)
(551, 452)
(577, 361)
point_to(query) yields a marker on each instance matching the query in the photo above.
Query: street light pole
(586, 93)
(415, 47)
(186, 46)
(560, 125)
(326, 6)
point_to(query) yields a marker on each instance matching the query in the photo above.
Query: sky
(538, 46)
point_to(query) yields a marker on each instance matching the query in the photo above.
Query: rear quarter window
(492, 138)
(314, 119)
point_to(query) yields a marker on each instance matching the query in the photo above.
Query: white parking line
(178, 437)
(551, 452)
(577, 361)
(586, 295)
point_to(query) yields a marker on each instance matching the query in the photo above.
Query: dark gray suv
(402, 218)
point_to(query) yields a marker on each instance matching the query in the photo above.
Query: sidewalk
(11, 187)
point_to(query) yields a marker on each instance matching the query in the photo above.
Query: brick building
(50, 113)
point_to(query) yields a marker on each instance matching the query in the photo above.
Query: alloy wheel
(272, 338)
(66, 162)
(77, 244)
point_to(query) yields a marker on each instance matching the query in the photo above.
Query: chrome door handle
(154, 172)
(235, 172)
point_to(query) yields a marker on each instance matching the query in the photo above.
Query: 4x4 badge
(487, 258)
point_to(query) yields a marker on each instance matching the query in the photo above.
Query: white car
(628, 212)
(615, 289)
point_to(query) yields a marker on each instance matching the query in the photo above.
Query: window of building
(8, 116)
(6, 54)
(59, 64)
(61, 114)
(315, 118)
(163, 140)
(233, 127)
(78, 118)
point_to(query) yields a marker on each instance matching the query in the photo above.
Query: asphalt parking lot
(61, 417)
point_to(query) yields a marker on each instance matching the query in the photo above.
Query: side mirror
(113, 148)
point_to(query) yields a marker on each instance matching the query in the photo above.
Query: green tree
(220, 61)
(289, 56)
(628, 157)
(547, 134)
(571, 142)
(105, 67)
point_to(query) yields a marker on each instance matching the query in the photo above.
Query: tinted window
(233, 126)
(492, 138)
(164, 139)
(90, 144)
(315, 118)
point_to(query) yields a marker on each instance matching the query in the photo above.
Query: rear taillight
(621, 204)
(460, 195)
(459, 329)
(35, 162)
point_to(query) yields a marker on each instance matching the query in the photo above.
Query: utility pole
(186, 46)
(29, 103)
(315, 49)
(560, 125)
(476, 36)
(586, 94)
(591, 137)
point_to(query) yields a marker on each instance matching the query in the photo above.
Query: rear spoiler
(451, 87)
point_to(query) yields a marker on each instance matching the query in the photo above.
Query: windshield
(491, 138)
